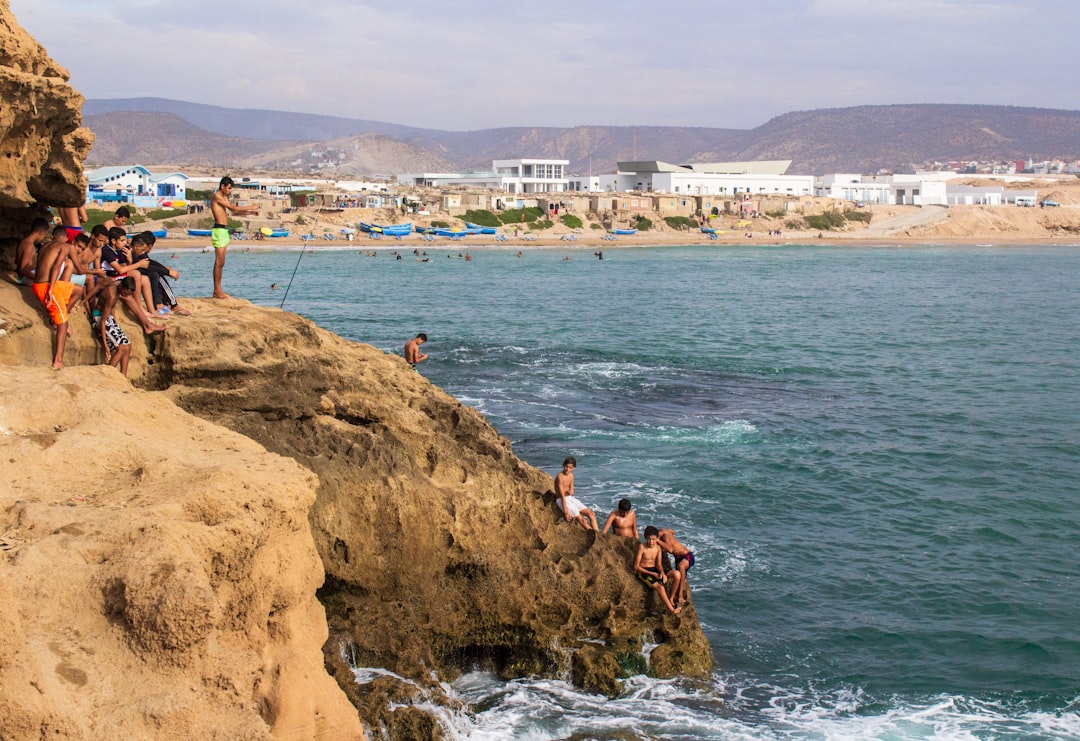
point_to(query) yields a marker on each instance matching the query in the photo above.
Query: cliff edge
(443, 552)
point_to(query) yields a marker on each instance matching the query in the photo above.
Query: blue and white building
(135, 184)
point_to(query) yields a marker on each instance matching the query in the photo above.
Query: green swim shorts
(219, 238)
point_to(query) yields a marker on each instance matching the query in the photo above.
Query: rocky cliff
(42, 142)
(443, 552)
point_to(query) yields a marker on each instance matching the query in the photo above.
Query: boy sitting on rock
(649, 567)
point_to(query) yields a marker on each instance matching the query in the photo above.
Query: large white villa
(519, 176)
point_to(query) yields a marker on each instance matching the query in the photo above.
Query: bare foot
(153, 328)
(57, 365)
(676, 611)
(220, 294)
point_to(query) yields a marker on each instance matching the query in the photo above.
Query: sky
(477, 64)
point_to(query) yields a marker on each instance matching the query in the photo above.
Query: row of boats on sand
(396, 230)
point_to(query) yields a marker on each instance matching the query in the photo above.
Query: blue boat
(158, 233)
(394, 230)
(707, 230)
(624, 231)
(273, 233)
(424, 229)
(198, 232)
(452, 233)
(477, 229)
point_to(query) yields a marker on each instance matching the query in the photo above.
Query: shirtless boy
(649, 567)
(72, 219)
(26, 254)
(684, 557)
(571, 506)
(220, 207)
(623, 520)
(54, 293)
(120, 218)
(412, 350)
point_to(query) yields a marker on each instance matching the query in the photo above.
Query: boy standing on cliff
(571, 506)
(220, 206)
(54, 293)
(649, 567)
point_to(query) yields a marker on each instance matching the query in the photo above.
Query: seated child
(684, 557)
(623, 520)
(117, 345)
(649, 567)
(571, 506)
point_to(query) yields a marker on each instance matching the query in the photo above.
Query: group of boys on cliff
(68, 269)
(649, 560)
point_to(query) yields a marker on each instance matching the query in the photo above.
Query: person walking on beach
(572, 507)
(221, 207)
(412, 350)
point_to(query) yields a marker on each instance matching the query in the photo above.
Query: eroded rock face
(443, 551)
(42, 142)
(157, 572)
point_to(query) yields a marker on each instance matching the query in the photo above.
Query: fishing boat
(477, 229)
(424, 229)
(707, 230)
(198, 232)
(273, 233)
(624, 231)
(452, 233)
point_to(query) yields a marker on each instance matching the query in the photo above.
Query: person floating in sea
(571, 506)
(623, 520)
(649, 568)
(221, 207)
(684, 558)
(412, 350)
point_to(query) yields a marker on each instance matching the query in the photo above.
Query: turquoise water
(873, 451)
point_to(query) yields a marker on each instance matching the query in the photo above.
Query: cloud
(441, 65)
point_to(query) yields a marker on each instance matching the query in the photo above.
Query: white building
(136, 184)
(919, 189)
(517, 176)
(717, 178)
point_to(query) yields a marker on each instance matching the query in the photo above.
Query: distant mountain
(167, 139)
(863, 139)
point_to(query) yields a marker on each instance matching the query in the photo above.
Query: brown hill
(862, 139)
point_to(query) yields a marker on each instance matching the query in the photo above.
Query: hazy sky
(478, 64)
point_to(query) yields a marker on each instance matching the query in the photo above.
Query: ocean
(874, 452)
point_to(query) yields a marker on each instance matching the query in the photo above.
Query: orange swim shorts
(61, 292)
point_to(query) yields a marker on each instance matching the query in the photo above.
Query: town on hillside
(530, 198)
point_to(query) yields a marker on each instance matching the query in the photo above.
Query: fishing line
(303, 249)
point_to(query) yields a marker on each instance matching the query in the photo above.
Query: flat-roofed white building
(850, 187)
(516, 176)
(717, 178)
(126, 183)
(918, 189)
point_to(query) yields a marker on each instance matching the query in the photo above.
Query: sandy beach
(889, 225)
